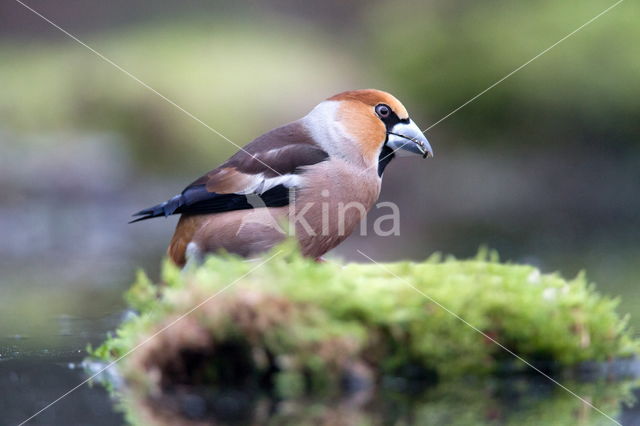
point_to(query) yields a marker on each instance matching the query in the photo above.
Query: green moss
(314, 322)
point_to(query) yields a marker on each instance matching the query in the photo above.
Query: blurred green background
(545, 167)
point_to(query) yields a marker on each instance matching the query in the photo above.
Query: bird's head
(378, 124)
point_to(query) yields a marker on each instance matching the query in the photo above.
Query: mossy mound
(292, 324)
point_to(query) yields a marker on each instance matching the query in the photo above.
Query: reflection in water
(513, 401)
(27, 384)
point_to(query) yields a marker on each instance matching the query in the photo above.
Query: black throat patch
(385, 157)
(387, 154)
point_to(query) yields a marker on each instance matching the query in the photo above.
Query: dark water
(30, 382)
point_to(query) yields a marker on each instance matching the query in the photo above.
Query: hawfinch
(318, 175)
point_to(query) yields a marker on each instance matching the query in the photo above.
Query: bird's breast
(333, 200)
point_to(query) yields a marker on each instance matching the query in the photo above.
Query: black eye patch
(392, 120)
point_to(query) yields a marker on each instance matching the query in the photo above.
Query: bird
(306, 176)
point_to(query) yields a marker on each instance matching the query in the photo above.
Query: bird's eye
(383, 111)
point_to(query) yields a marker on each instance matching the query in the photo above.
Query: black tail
(163, 209)
(197, 200)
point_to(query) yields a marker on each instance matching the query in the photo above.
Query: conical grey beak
(408, 137)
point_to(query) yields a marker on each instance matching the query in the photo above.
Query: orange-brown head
(370, 98)
(379, 125)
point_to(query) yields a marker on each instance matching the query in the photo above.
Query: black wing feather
(197, 200)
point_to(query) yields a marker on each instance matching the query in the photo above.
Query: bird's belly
(320, 225)
(320, 216)
(330, 208)
(242, 232)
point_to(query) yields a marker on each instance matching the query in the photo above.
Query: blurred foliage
(243, 76)
(585, 91)
(238, 76)
(316, 321)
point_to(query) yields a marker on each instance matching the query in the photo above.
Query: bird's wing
(267, 167)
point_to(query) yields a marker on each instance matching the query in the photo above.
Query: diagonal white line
(390, 154)
(523, 65)
(506, 76)
(145, 341)
(142, 83)
(383, 267)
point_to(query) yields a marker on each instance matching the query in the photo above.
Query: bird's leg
(194, 256)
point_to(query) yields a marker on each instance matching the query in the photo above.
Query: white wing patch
(260, 184)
